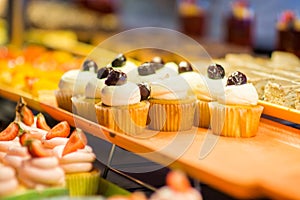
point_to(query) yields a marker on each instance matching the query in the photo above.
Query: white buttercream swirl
(203, 87)
(126, 68)
(245, 94)
(168, 70)
(75, 81)
(94, 87)
(119, 95)
(82, 79)
(170, 89)
(68, 79)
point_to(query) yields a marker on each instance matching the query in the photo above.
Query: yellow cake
(236, 114)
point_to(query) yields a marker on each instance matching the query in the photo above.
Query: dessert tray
(266, 165)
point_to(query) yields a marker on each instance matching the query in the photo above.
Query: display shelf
(266, 165)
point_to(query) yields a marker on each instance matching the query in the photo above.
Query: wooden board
(281, 112)
(267, 165)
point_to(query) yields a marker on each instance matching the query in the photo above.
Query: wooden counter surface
(267, 165)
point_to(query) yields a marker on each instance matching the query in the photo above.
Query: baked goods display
(163, 96)
(45, 160)
(276, 79)
(288, 32)
(34, 68)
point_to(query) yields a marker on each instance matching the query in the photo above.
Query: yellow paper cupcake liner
(63, 100)
(130, 120)
(171, 115)
(235, 121)
(202, 114)
(83, 184)
(85, 107)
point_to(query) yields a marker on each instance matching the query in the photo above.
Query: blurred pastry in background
(240, 24)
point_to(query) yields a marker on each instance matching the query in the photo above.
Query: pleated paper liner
(63, 99)
(234, 120)
(85, 107)
(171, 115)
(202, 114)
(83, 184)
(129, 119)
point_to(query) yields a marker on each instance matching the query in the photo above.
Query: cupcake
(121, 108)
(42, 170)
(73, 82)
(177, 187)
(171, 107)
(85, 104)
(8, 181)
(236, 113)
(205, 88)
(76, 158)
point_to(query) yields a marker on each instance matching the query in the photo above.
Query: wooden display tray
(281, 112)
(266, 165)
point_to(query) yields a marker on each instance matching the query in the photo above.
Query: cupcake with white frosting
(85, 104)
(73, 83)
(206, 88)
(236, 113)
(172, 108)
(121, 108)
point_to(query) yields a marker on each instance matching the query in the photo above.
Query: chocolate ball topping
(116, 78)
(144, 90)
(184, 66)
(90, 65)
(119, 61)
(237, 78)
(215, 71)
(103, 72)
(146, 68)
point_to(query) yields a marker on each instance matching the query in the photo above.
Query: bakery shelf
(282, 112)
(266, 165)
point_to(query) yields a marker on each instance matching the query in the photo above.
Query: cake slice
(282, 92)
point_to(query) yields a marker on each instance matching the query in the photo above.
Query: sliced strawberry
(27, 116)
(27, 136)
(24, 113)
(76, 141)
(178, 181)
(41, 122)
(36, 149)
(62, 129)
(10, 132)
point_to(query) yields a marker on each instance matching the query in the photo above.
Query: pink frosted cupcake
(8, 181)
(178, 188)
(76, 159)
